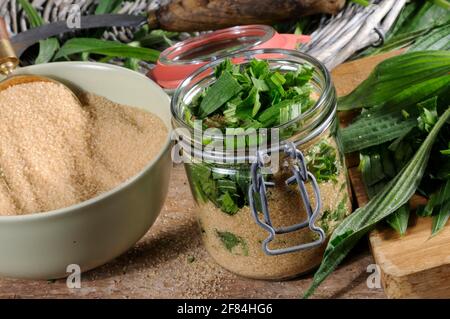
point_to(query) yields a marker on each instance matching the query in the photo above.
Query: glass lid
(210, 46)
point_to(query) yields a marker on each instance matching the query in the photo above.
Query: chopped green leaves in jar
(242, 103)
(253, 95)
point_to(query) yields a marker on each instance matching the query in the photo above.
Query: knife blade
(24, 40)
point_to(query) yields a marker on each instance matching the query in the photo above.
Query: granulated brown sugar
(235, 240)
(55, 152)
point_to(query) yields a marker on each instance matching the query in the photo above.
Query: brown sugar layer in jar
(55, 152)
(235, 240)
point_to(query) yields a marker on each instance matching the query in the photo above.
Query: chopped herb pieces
(322, 162)
(190, 259)
(252, 96)
(232, 242)
(227, 204)
(219, 93)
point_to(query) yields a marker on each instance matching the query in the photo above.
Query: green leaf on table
(428, 114)
(387, 122)
(441, 196)
(397, 193)
(437, 39)
(383, 128)
(399, 220)
(105, 47)
(424, 17)
(441, 219)
(377, 168)
(395, 75)
(408, 98)
(47, 47)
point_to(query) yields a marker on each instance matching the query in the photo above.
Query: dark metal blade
(24, 40)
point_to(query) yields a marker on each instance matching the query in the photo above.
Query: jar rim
(326, 92)
(245, 54)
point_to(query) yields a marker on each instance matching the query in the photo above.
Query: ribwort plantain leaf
(104, 47)
(397, 193)
(395, 75)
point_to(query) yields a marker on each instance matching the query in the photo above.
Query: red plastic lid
(179, 61)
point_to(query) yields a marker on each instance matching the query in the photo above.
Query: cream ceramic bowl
(89, 234)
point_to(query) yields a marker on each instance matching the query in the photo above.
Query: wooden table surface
(170, 261)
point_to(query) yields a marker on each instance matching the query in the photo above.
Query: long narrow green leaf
(394, 75)
(395, 194)
(364, 3)
(416, 93)
(386, 122)
(371, 168)
(442, 3)
(382, 129)
(104, 7)
(397, 42)
(440, 197)
(408, 13)
(155, 38)
(441, 219)
(104, 47)
(32, 14)
(47, 47)
(377, 168)
(415, 22)
(429, 15)
(438, 39)
(399, 220)
(219, 93)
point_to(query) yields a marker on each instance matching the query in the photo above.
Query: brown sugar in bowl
(95, 231)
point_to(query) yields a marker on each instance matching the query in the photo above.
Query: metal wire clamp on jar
(284, 219)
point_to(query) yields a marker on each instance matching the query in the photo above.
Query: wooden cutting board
(412, 266)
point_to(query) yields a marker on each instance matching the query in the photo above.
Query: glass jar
(266, 214)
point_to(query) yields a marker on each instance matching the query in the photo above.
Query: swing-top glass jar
(266, 212)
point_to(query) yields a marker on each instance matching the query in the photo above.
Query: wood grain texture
(170, 262)
(415, 265)
(349, 75)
